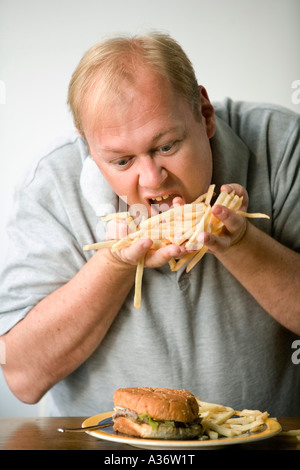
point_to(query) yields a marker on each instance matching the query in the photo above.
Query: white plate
(271, 428)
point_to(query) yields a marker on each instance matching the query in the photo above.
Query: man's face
(150, 147)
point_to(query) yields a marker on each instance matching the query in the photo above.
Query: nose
(151, 173)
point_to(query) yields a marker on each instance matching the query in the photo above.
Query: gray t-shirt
(201, 331)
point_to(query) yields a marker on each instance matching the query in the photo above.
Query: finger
(136, 251)
(232, 221)
(177, 201)
(156, 258)
(133, 253)
(234, 229)
(239, 191)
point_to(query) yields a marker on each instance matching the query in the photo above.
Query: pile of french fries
(181, 224)
(221, 421)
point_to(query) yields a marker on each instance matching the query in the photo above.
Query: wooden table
(42, 434)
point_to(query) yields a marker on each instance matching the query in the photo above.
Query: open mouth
(162, 203)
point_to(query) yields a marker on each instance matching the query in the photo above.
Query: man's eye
(122, 162)
(168, 148)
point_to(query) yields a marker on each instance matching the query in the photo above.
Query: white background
(244, 49)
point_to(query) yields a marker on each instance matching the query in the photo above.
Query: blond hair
(106, 65)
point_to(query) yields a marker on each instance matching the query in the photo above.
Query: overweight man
(147, 135)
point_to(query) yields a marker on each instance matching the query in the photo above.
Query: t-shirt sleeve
(44, 251)
(272, 135)
(285, 186)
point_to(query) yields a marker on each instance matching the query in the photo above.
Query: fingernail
(227, 187)
(147, 244)
(217, 210)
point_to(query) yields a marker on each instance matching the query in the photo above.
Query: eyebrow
(163, 132)
(154, 139)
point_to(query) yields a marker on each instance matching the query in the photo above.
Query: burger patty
(124, 412)
(143, 418)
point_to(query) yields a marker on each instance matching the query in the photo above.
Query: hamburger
(156, 413)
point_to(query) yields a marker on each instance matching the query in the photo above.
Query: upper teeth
(159, 198)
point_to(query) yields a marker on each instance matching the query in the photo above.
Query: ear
(208, 112)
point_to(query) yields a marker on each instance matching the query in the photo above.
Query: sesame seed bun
(160, 404)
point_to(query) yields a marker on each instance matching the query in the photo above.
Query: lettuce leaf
(154, 424)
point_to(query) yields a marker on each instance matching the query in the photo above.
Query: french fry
(254, 215)
(138, 283)
(223, 416)
(241, 420)
(196, 258)
(209, 194)
(292, 434)
(212, 434)
(201, 227)
(99, 245)
(221, 421)
(180, 224)
(213, 407)
(222, 430)
(250, 413)
(116, 215)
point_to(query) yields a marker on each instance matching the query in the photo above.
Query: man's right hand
(133, 253)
